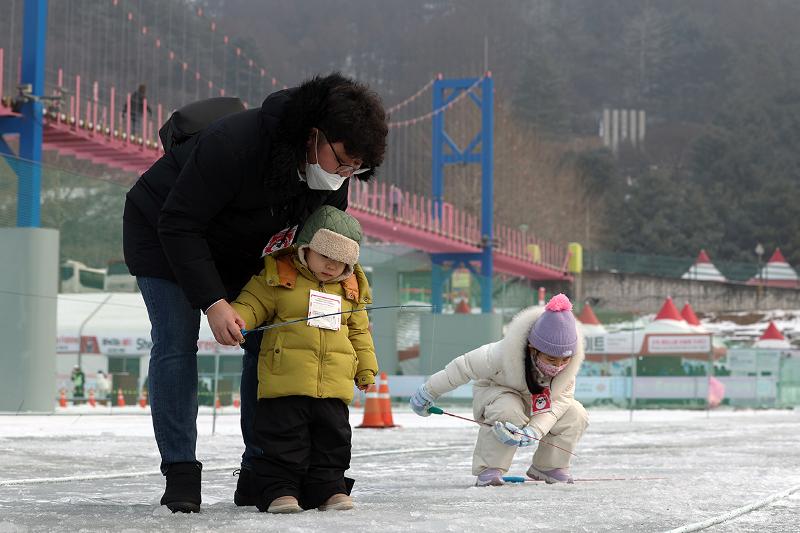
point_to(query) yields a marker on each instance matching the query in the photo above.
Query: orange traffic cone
(386, 401)
(237, 401)
(217, 403)
(62, 399)
(143, 399)
(92, 402)
(373, 417)
(120, 398)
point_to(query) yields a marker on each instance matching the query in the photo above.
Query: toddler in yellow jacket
(307, 369)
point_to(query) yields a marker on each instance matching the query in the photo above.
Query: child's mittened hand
(421, 400)
(510, 435)
(364, 379)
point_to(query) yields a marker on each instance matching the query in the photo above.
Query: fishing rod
(439, 411)
(522, 479)
(271, 326)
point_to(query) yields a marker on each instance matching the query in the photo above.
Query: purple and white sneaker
(490, 477)
(556, 475)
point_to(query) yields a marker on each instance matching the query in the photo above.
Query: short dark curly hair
(354, 115)
(346, 110)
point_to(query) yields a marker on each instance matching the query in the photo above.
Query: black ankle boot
(183, 487)
(244, 495)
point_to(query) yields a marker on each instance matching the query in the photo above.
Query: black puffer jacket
(202, 214)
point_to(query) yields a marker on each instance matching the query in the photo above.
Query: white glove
(511, 435)
(421, 400)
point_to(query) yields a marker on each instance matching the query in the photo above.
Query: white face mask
(319, 179)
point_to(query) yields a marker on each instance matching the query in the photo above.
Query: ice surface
(710, 465)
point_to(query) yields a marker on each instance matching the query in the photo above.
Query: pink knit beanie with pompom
(555, 332)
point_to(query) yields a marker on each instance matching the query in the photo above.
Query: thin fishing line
(439, 411)
(77, 300)
(280, 324)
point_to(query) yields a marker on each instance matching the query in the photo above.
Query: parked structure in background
(77, 277)
(118, 278)
(703, 269)
(776, 273)
(620, 126)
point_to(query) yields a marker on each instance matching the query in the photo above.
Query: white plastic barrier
(618, 388)
(404, 387)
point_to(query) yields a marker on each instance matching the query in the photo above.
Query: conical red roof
(669, 311)
(772, 332)
(587, 316)
(688, 315)
(702, 257)
(777, 257)
(463, 307)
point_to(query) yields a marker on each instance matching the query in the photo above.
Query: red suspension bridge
(91, 121)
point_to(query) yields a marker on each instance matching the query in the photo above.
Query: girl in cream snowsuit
(524, 386)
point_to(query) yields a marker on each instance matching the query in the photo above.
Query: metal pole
(83, 324)
(216, 391)
(485, 53)
(31, 129)
(758, 374)
(487, 191)
(437, 188)
(437, 170)
(709, 373)
(437, 285)
(634, 362)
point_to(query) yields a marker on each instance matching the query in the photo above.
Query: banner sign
(612, 343)
(678, 344)
(130, 345)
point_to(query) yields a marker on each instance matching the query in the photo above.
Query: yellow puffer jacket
(298, 359)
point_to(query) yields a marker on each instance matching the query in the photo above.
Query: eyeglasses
(343, 169)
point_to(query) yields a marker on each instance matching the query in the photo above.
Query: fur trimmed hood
(512, 350)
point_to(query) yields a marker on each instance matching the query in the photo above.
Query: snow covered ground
(417, 477)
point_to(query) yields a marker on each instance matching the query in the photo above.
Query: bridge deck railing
(418, 211)
(109, 137)
(111, 119)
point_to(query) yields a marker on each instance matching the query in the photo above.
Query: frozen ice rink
(417, 477)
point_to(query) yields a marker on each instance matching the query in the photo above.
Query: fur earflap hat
(332, 233)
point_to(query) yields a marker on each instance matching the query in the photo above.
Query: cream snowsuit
(500, 393)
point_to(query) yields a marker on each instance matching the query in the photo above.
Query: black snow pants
(305, 445)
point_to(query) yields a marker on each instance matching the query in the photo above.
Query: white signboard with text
(678, 344)
(612, 343)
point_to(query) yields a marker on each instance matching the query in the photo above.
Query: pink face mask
(547, 369)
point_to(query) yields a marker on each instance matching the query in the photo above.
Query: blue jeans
(172, 376)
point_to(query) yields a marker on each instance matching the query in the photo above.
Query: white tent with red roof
(703, 269)
(691, 318)
(776, 273)
(772, 338)
(688, 315)
(590, 326)
(668, 320)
